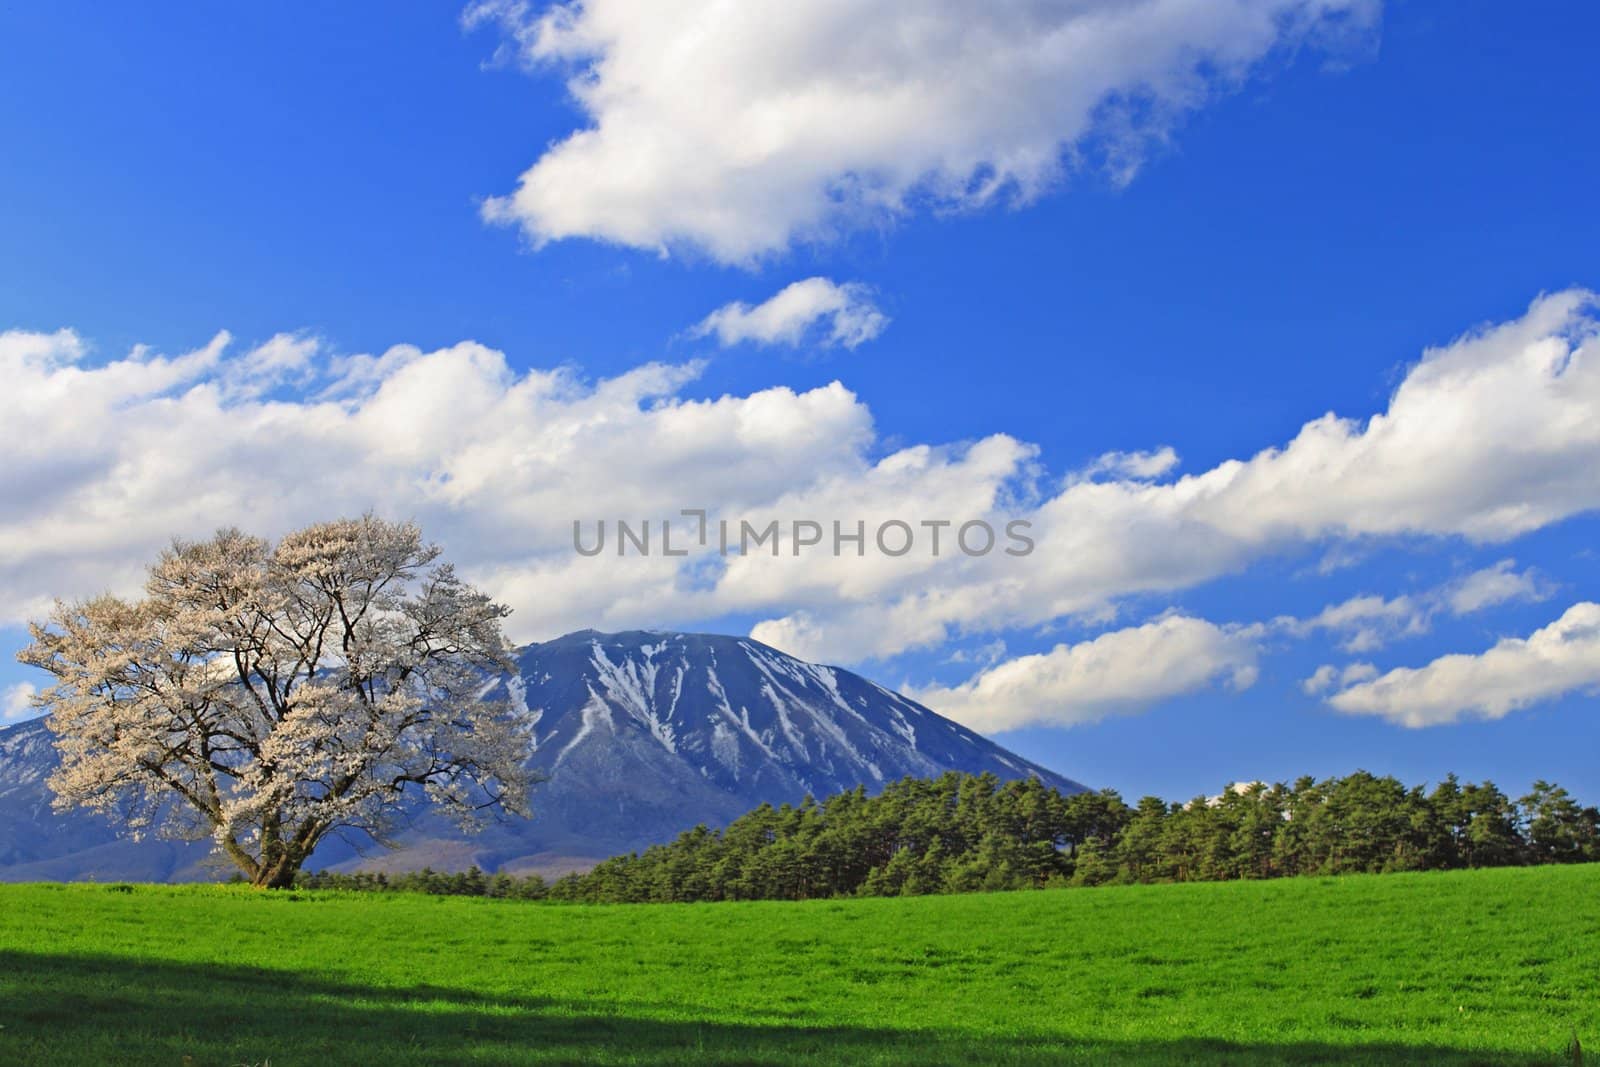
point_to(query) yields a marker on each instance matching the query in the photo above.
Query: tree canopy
(966, 833)
(267, 695)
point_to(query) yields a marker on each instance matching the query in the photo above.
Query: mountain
(641, 734)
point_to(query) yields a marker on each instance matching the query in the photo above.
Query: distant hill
(641, 734)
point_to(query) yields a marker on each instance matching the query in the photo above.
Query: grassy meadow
(1474, 967)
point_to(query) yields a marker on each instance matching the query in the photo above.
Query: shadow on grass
(58, 1009)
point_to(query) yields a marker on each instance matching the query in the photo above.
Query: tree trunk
(279, 875)
(243, 860)
(279, 864)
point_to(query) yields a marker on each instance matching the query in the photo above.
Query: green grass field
(1499, 966)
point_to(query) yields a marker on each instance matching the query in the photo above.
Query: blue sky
(1314, 216)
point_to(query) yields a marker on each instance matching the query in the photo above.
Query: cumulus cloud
(846, 313)
(737, 128)
(286, 359)
(1560, 658)
(1137, 466)
(16, 703)
(1491, 436)
(1499, 584)
(1486, 438)
(1328, 677)
(1117, 673)
(106, 462)
(1365, 623)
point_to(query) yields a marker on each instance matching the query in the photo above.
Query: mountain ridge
(641, 734)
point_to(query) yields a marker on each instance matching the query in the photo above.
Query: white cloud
(1498, 584)
(1321, 680)
(1118, 673)
(1486, 438)
(737, 128)
(106, 463)
(985, 655)
(1328, 677)
(1366, 622)
(1341, 557)
(1136, 466)
(1560, 658)
(791, 314)
(17, 703)
(285, 354)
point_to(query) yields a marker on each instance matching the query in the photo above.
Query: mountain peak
(640, 734)
(739, 711)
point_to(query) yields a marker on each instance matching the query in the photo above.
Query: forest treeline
(966, 833)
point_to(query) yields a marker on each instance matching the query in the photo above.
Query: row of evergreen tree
(966, 833)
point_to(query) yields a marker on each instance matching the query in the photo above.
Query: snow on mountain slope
(641, 734)
(741, 715)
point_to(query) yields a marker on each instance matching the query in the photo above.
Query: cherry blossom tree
(266, 696)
